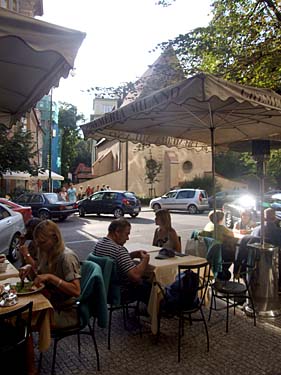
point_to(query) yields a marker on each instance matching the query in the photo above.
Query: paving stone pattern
(245, 350)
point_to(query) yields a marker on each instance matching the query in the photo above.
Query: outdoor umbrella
(34, 55)
(44, 175)
(202, 108)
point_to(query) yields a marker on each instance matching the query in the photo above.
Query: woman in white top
(245, 224)
(165, 236)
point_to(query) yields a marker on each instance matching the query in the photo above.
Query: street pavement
(245, 350)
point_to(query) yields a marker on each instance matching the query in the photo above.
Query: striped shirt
(124, 262)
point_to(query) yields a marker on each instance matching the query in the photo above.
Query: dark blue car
(47, 205)
(114, 202)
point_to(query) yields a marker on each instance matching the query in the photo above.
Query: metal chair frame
(183, 314)
(59, 334)
(230, 292)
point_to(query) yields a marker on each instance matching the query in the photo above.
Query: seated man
(133, 286)
(272, 232)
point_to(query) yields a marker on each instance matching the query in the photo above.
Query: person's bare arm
(137, 254)
(72, 288)
(175, 240)
(135, 274)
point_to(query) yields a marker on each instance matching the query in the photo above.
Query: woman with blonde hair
(165, 236)
(58, 269)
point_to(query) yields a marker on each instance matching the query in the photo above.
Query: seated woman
(58, 269)
(223, 235)
(245, 224)
(165, 235)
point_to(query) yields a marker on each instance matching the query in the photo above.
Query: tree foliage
(83, 149)
(17, 151)
(68, 123)
(152, 169)
(234, 165)
(241, 43)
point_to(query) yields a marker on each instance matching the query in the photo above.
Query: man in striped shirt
(130, 273)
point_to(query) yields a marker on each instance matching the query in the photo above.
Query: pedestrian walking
(71, 193)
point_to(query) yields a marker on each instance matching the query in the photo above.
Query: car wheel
(156, 207)
(192, 209)
(13, 254)
(118, 212)
(44, 215)
(81, 211)
(134, 215)
(228, 220)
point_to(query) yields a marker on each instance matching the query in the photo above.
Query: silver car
(190, 200)
(11, 227)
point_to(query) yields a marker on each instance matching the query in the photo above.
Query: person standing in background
(89, 191)
(71, 192)
(80, 193)
(63, 193)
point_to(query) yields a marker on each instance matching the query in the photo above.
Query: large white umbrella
(202, 108)
(23, 176)
(34, 55)
(44, 175)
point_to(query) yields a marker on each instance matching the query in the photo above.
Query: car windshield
(53, 197)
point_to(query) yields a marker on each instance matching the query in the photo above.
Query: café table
(42, 313)
(11, 271)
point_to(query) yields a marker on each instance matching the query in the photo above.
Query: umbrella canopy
(45, 176)
(23, 176)
(191, 111)
(34, 55)
(202, 108)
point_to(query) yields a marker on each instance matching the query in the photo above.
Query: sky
(120, 34)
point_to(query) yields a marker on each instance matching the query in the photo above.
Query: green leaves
(17, 152)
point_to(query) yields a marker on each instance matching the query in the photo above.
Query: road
(80, 233)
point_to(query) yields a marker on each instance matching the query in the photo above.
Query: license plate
(136, 209)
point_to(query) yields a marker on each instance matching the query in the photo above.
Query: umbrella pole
(214, 178)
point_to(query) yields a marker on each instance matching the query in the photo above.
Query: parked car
(224, 197)
(47, 205)
(114, 202)
(25, 211)
(269, 195)
(11, 227)
(190, 200)
(232, 210)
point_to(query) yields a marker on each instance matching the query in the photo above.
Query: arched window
(187, 166)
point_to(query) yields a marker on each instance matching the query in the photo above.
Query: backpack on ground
(188, 298)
